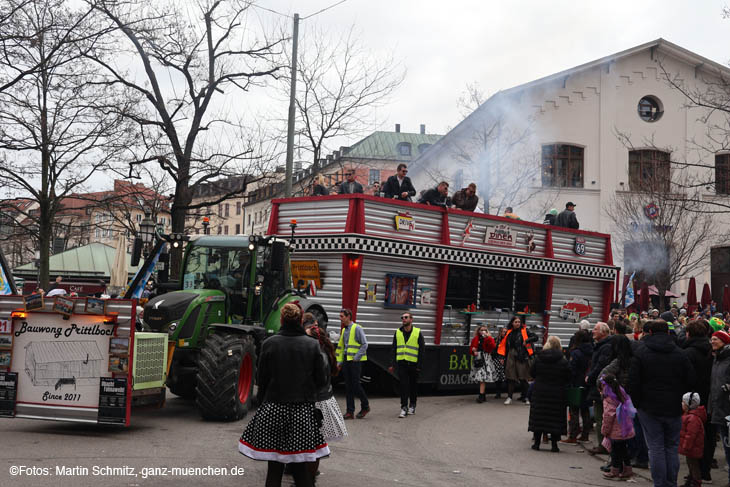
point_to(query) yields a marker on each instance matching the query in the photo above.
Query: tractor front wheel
(226, 371)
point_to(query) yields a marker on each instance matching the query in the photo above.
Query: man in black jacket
(567, 217)
(399, 187)
(659, 376)
(350, 186)
(602, 356)
(437, 196)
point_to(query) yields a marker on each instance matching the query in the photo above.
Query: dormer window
(404, 149)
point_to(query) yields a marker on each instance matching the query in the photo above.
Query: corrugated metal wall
(314, 217)
(564, 245)
(380, 222)
(380, 323)
(565, 290)
(457, 225)
(330, 296)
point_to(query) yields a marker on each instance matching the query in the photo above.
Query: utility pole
(292, 97)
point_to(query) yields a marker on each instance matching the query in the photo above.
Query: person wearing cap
(659, 375)
(550, 217)
(567, 217)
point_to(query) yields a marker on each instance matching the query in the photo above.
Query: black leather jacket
(291, 368)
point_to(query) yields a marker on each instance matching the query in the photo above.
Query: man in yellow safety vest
(408, 351)
(350, 356)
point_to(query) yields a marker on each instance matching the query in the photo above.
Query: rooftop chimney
(397, 128)
(423, 129)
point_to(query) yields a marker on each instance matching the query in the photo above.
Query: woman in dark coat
(285, 429)
(579, 363)
(549, 394)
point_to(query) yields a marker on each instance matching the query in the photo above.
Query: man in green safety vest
(408, 351)
(350, 356)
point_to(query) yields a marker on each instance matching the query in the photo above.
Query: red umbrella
(644, 297)
(706, 296)
(726, 298)
(691, 296)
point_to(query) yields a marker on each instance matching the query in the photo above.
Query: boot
(627, 472)
(613, 474)
(555, 448)
(536, 441)
(481, 398)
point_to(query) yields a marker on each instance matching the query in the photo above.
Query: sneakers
(348, 416)
(527, 402)
(403, 413)
(363, 412)
(569, 440)
(508, 401)
(412, 410)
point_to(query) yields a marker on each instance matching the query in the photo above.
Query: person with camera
(483, 369)
(408, 351)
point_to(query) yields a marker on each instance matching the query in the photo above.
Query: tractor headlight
(172, 328)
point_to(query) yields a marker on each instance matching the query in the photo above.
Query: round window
(650, 109)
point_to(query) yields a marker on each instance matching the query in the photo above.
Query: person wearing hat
(692, 438)
(718, 404)
(567, 217)
(550, 217)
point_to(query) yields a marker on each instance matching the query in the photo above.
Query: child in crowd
(692, 436)
(618, 427)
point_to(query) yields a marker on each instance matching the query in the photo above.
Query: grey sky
(445, 45)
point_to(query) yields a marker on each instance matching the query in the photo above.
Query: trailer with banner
(451, 269)
(77, 359)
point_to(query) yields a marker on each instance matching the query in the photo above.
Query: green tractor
(231, 291)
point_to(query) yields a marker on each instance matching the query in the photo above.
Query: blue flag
(629, 300)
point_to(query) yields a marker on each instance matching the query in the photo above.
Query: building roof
(384, 145)
(50, 352)
(95, 259)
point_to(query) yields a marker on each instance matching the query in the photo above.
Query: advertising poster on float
(60, 361)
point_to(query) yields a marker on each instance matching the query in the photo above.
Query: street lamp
(147, 229)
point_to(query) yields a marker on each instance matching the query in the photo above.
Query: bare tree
(339, 86)
(664, 229)
(57, 126)
(498, 151)
(188, 58)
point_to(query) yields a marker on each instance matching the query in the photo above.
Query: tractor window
(217, 268)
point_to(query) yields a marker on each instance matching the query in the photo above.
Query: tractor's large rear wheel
(226, 371)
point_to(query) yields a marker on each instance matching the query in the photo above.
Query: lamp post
(147, 232)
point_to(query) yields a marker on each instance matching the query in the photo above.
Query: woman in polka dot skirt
(286, 429)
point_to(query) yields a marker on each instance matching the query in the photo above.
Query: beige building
(598, 134)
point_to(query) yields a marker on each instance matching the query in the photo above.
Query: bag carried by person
(479, 361)
(576, 396)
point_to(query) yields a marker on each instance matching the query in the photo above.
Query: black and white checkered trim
(441, 254)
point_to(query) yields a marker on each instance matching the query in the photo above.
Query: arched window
(404, 148)
(649, 170)
(562, 166)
